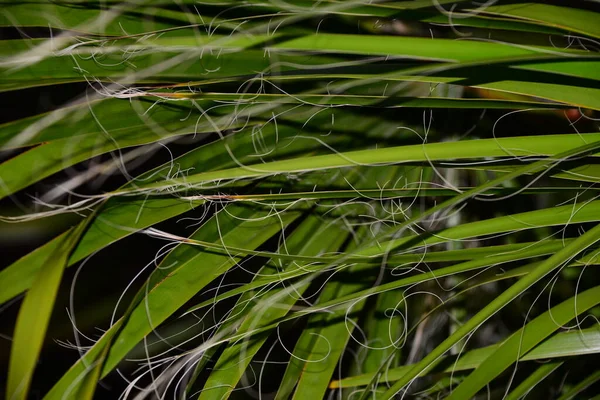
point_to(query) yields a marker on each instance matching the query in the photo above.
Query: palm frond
(348, 199)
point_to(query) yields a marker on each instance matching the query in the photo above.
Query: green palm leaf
(299, 199)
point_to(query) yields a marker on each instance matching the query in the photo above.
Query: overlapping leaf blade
(354, 117)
